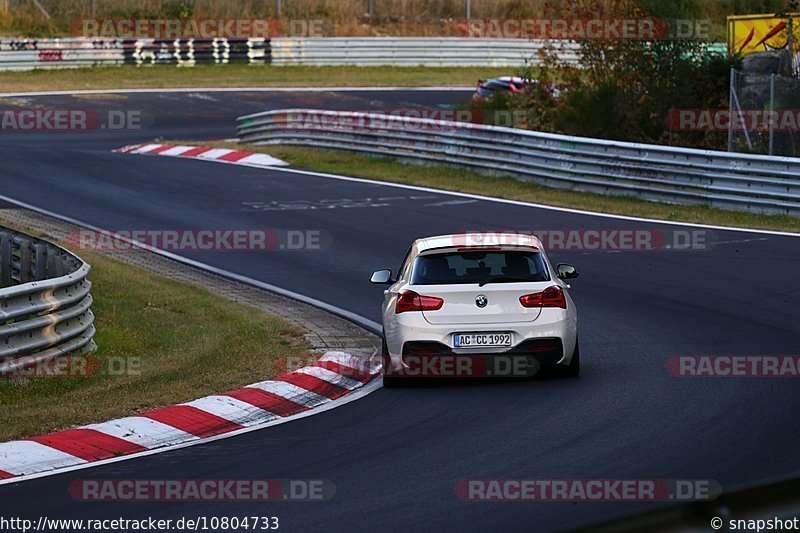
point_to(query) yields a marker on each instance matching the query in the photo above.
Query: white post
(730, 111)
(41, 9)
(771, 111)
(741, 117)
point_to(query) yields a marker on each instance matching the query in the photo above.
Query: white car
(467, 305)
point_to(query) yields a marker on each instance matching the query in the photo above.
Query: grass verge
(161, 76)
(461, 180)
(179, 343)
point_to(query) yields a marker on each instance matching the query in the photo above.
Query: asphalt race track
(395, 456)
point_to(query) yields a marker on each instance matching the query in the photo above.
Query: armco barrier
(28, 54)
(428, 51)
(45, 304)
(674, 175)
(413, 51)
(25, 54)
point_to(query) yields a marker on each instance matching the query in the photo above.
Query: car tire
(573, 370)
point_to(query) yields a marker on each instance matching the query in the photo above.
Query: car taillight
(411, 301)
(550, 297)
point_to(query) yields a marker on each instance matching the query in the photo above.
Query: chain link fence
(765, 114)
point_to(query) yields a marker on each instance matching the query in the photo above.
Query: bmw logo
(481, 301)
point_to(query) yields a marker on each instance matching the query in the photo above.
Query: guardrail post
(60, 270)
(5, 259)
(52, 264)
(25, 261)
(40, 261)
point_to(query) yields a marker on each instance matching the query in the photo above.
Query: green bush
(625, 89)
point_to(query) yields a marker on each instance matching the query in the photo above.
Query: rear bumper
(419, 348)
(549, 351)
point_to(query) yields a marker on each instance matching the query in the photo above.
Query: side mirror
(566, 271)
(381, 277)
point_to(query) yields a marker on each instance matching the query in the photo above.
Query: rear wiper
(492, 279)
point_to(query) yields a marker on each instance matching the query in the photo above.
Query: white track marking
(232, 410)
(214, 153)
(370, 366)
(143, 431)
(145, 149)
(291, 392)
(329, 376)
(262, 160)
(177, 150)
(18, 456)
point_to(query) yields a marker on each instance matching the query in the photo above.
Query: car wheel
(573, 370)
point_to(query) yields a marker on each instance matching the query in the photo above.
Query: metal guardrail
(45, 303)
(28, 54)
(658, 173)
(428, 51)
(414, 51)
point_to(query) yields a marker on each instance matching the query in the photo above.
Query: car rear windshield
(495, 85)
(504, 84)
(476, 267)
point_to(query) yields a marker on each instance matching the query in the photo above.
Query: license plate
(476, 340)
